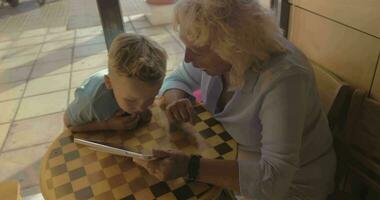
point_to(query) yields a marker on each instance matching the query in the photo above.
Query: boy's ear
(107, 81)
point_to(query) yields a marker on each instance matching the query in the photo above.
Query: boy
(118, 98)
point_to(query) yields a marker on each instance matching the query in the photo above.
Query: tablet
(113, 149)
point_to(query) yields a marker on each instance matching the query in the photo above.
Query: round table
(72, 171)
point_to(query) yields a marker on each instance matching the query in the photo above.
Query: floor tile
(163, 38)
(170, 28)
(88, 40)
(25, 133)
(174, 60)
(155, 30)
(128, 27)
(136, 17)
(3, 133)
(8, 110)
(22, 165)
(87, 21)
(5, 44)
(172, 48)
(16, 74)
(81, 51)
(42, 105)
(57, 45)
(141, 24)
(97, 60)
(96, 30)
(58, 29)
(32, 193)
(8, 37)
(168, 72)
(34, 32)
(23, 51)
(21, 61)
(50, 68)
(72, 95)
(50, 56)
(28, 41)
(11, 90)
(3, 53)
(125, 19)
(47, 84)
(79, 76)
(174, 33)
(60, 36)
(139, 21)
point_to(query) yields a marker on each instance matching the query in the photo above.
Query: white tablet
(112, 149)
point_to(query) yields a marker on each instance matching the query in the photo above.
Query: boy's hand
(180, 110)
(122, 122)
(146, 116)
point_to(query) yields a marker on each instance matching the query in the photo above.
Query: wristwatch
(193, 167)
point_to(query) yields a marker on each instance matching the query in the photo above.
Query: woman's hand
(180, 110)
(170, 164)
(177, 106)
(123, 122)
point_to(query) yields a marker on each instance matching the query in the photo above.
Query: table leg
(111, 18)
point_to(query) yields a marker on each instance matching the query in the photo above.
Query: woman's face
(205, 59)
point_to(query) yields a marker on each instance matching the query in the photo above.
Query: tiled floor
(41, 64)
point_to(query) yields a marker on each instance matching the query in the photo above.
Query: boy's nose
(141, 109)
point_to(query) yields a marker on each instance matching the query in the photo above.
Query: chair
(10, 190)
(360, 148)
(335, 96)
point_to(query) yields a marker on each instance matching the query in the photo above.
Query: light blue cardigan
(285, 145)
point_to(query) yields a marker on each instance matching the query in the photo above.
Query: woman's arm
(177, 93)
(223, 173)
(186, 78)
(171, 164)
(282, 116)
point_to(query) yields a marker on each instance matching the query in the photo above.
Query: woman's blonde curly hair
(241, 32)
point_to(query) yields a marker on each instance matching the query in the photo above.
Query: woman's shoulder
(285, 66)
(281, 69)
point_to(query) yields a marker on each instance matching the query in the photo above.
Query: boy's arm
(117, 122)
(66, 120)
(92, 126)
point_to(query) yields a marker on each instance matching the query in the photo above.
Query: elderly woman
(262, 89)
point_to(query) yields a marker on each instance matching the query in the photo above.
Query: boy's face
(131, 94)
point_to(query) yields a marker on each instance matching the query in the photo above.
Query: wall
(342, 36)
(265, 3)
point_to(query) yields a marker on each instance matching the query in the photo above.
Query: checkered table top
(71, 171)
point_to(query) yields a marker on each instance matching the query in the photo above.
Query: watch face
(125, 114)
(193, 167)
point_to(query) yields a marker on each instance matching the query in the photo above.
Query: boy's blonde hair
(241, 32)
(136, 56)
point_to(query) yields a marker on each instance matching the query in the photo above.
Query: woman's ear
(107, 81)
